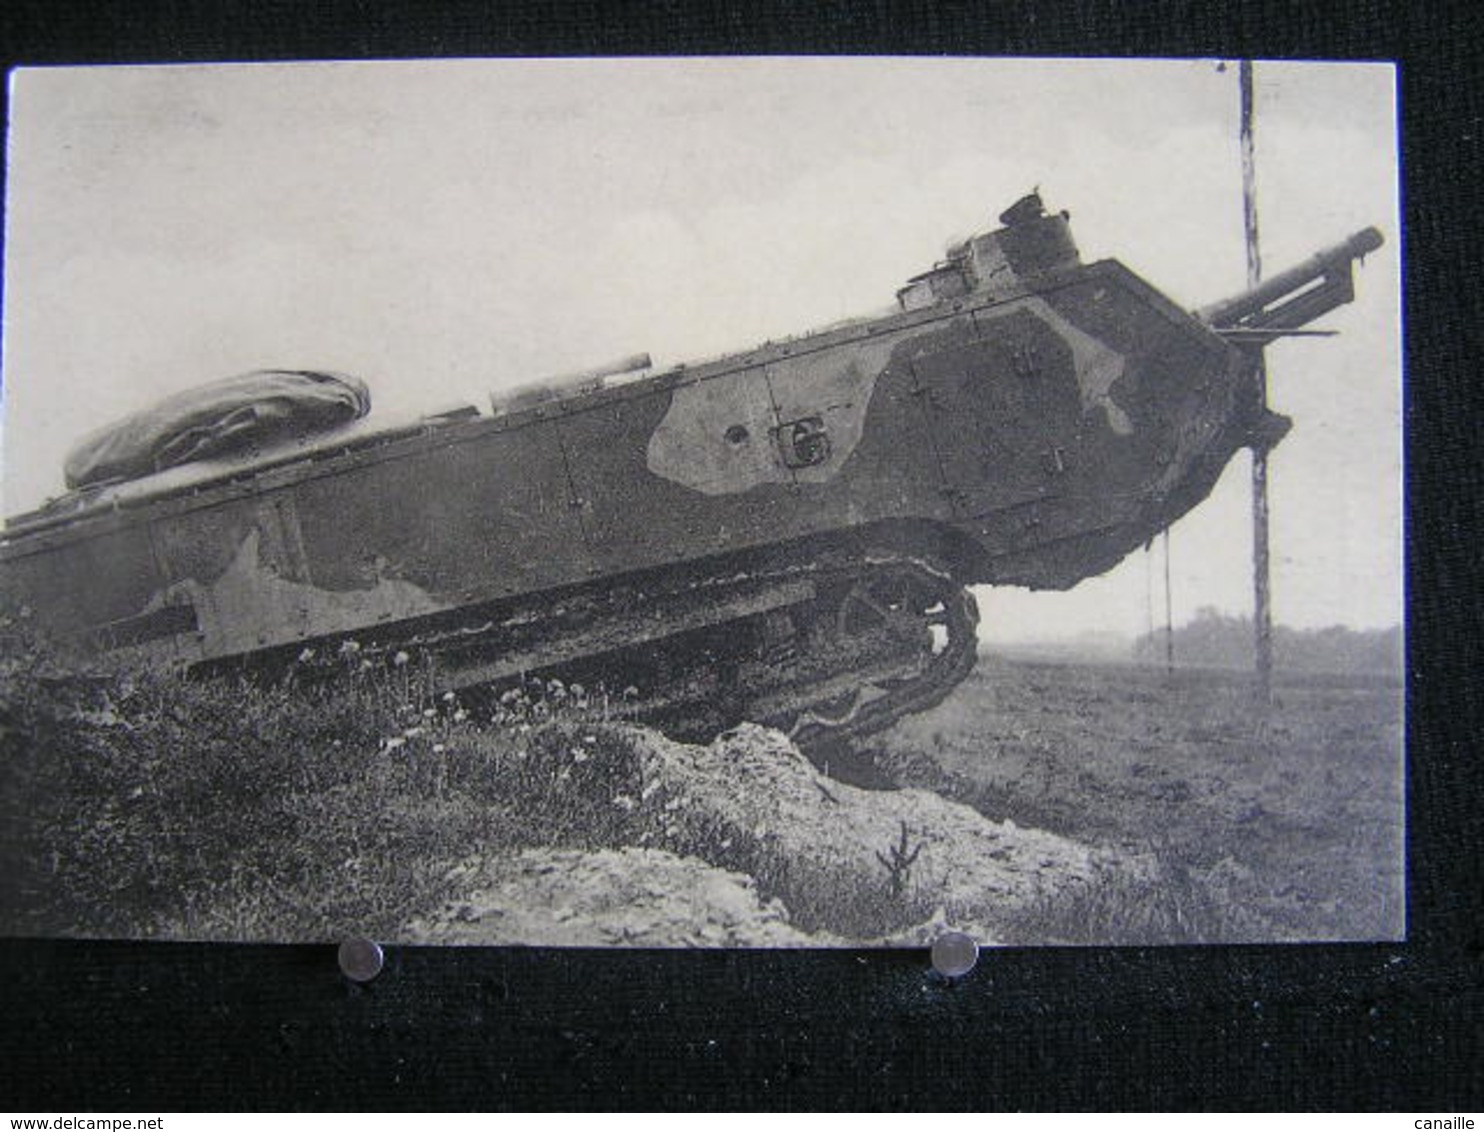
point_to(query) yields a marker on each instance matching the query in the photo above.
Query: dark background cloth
(130, 1026)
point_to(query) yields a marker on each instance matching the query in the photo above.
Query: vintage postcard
(703, 502)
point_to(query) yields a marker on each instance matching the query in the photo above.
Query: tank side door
(466, 519)
(852, 429)
(1001, 400)
(681, 473)
(501, 515)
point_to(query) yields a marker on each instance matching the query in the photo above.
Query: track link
(829, 649)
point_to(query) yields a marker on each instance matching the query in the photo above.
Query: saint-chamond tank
(784, 534)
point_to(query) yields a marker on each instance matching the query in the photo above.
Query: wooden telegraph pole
(1262, 616)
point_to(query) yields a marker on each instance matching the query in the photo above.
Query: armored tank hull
(782, 534)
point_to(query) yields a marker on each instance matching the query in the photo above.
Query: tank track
(828, 650)
(911, 599)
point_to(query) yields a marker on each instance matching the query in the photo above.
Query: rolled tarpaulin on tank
(217, 419)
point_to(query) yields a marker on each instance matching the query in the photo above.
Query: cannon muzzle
(1294, 298)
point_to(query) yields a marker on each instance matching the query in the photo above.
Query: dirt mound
(745, 843)
(908, 860)
(625, 897)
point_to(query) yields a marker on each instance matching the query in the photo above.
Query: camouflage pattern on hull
(1022, 419)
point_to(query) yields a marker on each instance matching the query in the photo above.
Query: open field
(1042, 803)
(1284, 828)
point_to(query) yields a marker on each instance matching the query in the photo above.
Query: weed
(898, 862)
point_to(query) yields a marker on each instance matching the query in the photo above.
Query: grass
(138, 803)
(1151, 899)
(1284, 825)
(346, 798)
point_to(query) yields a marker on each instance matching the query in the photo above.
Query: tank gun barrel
(1294, 298)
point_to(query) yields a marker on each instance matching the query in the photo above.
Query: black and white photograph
(703, 502)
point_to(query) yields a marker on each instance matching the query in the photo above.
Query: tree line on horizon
(1218, 640)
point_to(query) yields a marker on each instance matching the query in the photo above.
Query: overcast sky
(442, 229)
